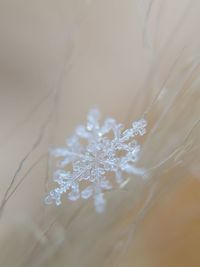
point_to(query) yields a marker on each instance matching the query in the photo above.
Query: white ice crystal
(90, 154)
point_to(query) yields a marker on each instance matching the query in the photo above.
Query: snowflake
(90, 154)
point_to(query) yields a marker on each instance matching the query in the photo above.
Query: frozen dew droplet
(139, 127)
(87, 192)
(48, 200)
(58, 202)
(99, 203)
(105, 184)
(73, 196)
(94, 115)
(81, 131)
(72, 141)
(119, 177)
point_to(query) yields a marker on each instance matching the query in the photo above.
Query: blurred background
(130, 58)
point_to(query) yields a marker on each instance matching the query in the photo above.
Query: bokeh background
(130, 58)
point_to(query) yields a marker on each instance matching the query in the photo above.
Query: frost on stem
(90, 154)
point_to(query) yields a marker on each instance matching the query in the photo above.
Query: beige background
(58, 59)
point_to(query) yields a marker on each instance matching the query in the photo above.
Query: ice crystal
(91, 154)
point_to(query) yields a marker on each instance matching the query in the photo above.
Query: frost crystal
(90, 154)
